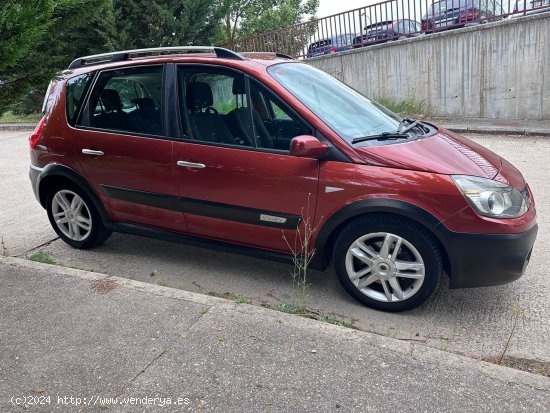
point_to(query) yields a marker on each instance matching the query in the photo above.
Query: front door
(122, 147)
(236, 181)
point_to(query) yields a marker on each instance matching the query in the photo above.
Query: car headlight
(491, 198)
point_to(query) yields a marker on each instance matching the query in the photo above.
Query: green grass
(405, 107)
(289, 309)
(331, 320)
(42, 256)
(304, 312)
(9, 117)
(241, 299)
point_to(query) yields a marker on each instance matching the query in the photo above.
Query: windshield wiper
(407, 125)
(385, 136)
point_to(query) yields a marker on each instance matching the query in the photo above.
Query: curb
(496, 130)
(415, 350)
(17, 126)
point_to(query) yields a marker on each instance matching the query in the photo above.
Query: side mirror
(306, 146)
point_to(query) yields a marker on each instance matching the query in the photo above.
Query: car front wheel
(387, 262)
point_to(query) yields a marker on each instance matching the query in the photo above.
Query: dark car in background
(385, 31)
(451, 14)
(337, 43)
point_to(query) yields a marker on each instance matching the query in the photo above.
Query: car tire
(388, 262)
(74, 217)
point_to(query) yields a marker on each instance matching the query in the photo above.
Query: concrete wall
(497, 70)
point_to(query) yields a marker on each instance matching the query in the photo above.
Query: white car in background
(528, 7)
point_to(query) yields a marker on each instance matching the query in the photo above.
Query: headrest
(111, 100)
(199, 95)
(238, 86)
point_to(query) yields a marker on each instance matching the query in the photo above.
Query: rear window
(76, 91)
(321, 43)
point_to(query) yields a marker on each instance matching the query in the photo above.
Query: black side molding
(206, 208)
(149, 232)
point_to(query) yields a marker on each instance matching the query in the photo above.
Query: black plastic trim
(321, 258)
(483, 260)
(53, 170)
(203, 208)
(171, 123)
(134, 229)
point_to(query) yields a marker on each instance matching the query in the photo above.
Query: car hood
(444, 153)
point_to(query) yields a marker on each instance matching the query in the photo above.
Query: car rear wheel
(74, 218)
(387, 262)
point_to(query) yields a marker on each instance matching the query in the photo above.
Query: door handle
(191, 165)
(92, 152)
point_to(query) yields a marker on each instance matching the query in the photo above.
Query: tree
(22, 25)
(131, 24)
(244, 18)
(38, 39)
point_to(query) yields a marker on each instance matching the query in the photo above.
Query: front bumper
(481, 260)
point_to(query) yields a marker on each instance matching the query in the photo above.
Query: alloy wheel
(385, 267)
(71, 214)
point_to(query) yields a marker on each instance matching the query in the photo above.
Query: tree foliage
(49, 33)
(243, 18)
(131, 24)
(41, 37)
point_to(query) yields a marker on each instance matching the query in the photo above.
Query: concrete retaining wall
(498, 70)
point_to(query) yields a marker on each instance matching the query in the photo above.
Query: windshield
(378, 26)
(347, 112)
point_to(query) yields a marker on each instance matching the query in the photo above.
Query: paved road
(484, 323)
(68, 333)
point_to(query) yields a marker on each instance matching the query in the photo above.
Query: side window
(278, 113)
(278, 125)
(76, 90)
(401, 28)
(214, 106)
(127, 100)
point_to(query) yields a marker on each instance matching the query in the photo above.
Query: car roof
(183, 54)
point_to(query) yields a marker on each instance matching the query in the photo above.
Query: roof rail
(127, 54)
(284, 56)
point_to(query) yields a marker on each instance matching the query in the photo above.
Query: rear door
(244, 191)
(122, 146)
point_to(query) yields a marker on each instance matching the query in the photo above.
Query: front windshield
(347, 112)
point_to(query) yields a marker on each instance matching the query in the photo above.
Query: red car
(214, 148)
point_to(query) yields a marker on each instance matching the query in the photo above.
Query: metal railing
(382, 22)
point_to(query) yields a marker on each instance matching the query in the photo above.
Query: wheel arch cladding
(53, 176)
(326, 239)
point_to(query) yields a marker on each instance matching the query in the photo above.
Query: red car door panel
(133, 177)
(245, 196)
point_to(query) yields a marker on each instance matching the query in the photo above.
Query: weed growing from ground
(43, 257)
(302, 254)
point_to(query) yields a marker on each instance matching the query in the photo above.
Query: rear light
(37, 133)
(333, 50)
